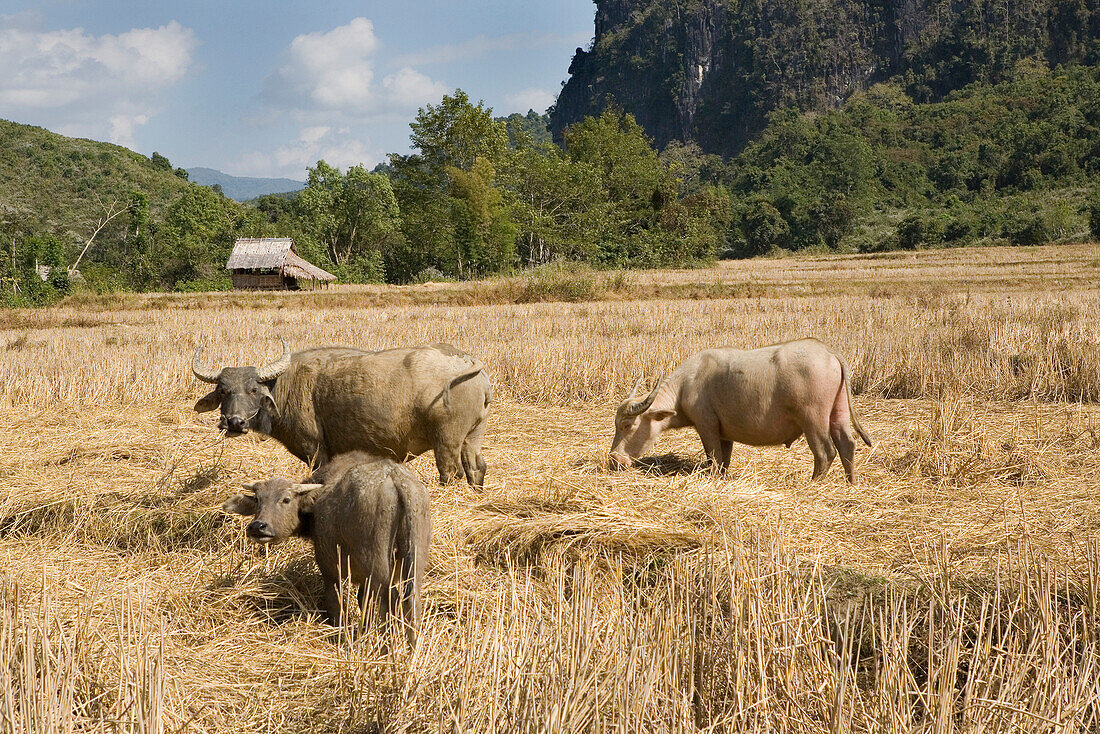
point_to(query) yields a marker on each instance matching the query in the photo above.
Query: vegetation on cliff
(1010, 162)
(711, 71)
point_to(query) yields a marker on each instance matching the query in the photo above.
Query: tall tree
(456, 214)
(457, 132)
(351, 215)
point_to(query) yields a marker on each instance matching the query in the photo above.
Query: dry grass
(956, 587)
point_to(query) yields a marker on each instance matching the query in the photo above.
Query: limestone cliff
(712, 70)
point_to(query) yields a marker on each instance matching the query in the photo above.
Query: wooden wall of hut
(274, 282)
(258, 281)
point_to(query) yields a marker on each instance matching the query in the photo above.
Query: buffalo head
(243, 393)
(278, 505)
(637, 426)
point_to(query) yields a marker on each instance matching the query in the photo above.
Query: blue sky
(266, 88)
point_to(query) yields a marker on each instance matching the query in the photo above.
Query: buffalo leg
(331, 602)
(410, 602)
(823, 450)
(448, 461)
(725, 450)
(711, 436)
(846, 447)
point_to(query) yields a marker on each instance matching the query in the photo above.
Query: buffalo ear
(660, 415)
(241, 505)
(209, 401)
(269, 400)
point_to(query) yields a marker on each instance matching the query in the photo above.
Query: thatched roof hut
(270, 263)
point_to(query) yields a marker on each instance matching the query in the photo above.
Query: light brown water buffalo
(369, 520)
(327, 401)
(760, 397)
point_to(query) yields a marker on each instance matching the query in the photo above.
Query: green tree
(912, 232)
(353, 217)
(764, 228)
(558, 203)
(635, 187)
(526, 130)
(1094, 215)
(484, 234)
(617, 146)
(160, 162)
(458, 218)
(196, 237)
(832, 218)
(455, 133)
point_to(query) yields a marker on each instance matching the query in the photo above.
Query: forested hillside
(61, 187)
(711, 71)
(1017, 162)
(128, 221)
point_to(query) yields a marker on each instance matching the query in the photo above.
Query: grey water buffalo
(760, 397)
(327, 401)
(369, 520)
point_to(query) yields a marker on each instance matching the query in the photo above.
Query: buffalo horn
(273, 369)
(642, 406)
(201, 372)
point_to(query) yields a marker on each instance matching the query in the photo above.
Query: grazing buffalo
(760, 397)
(327, 401)
(369, 520)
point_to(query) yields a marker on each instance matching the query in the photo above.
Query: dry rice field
(954, 588)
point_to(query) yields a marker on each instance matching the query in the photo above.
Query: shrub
(911, 232)
(958, 230)
(1027, 227)
(34, 292)
(432, 275)
(102, 279)
(219, 282)
(367, 268)
(559, 282)
(59, 279)
(764, 228)
(1094, 215)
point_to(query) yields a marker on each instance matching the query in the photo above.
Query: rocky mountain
(712, 70)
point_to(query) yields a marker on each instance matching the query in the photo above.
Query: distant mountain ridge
(243, 188)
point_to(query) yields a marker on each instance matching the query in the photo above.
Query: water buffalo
(760, 397)
(369, 520)
(327, 401)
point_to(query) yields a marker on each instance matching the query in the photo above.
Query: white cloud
(331, 76)
(122, 126)
(530, 99)
(336, 146)
(330, 86)
(481, 46)
(95, 86)
(407, 88)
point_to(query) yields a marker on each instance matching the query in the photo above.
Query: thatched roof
(273, 253)
(296, 267)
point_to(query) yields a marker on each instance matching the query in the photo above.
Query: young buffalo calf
(369, 520)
